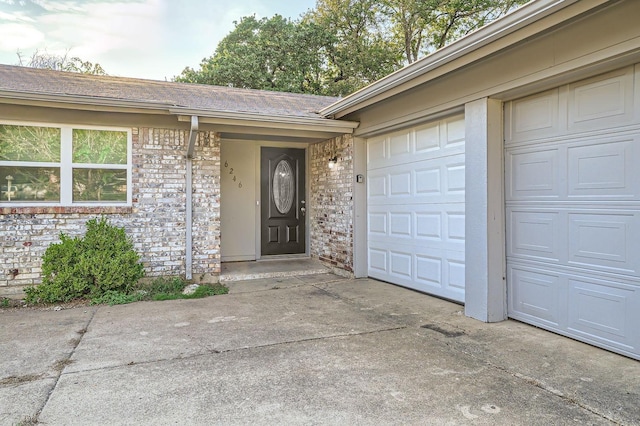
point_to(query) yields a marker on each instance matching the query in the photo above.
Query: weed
(162, 288)
(112, 297)
(165, 285)
(4, 303)
(167, 296)
(208, 290)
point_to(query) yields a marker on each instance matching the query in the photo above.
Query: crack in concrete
(288, 286)
(60, 365)
(314, 339)
(530, 380)
(225, 351)
(556, 392)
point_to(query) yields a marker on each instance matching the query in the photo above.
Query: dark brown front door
(282, 174)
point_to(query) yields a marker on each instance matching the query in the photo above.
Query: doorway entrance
(282, 215)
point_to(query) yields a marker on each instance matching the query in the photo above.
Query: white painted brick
(156, 223)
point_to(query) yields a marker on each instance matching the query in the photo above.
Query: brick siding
(332, 212)
(155, 221)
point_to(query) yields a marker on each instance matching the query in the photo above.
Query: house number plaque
(231, 172)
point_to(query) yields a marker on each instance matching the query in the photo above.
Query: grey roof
(199, 97)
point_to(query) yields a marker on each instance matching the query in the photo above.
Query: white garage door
(416, 208)
(572, 167)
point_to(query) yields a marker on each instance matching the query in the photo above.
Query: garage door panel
(532, 174)
(532, 118)
(439, 226)
(400, 183)
(455, 137)
(429, 225)
(433, 140)
(605, 240)
(598, 311)
(535, 295)
(593, 168)
(429, 181)
(534, 234)
(428, 139)
(605, 311)
(602, 102)
(378, 223)
(377, 187)
(455, 179)
(377, 150)
(428, 269)
(378, 263)
(598, 240)
(401, 224)
(455, 226)
(455, 274)
(605, 169)
(400, 264)
(400, 145)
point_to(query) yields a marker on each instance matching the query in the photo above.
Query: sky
(153, 39)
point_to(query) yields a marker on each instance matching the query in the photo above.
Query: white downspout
(193, 135)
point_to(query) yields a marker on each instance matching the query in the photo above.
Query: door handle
(303, 210)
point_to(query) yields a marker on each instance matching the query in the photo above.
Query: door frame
(258, 219)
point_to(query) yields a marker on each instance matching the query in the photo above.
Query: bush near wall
(103, 260)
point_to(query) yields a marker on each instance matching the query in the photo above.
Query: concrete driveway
(307, 350)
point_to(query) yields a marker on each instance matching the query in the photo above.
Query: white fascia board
(229, 118)
(90, 103)
(82, 102)
(418, 72)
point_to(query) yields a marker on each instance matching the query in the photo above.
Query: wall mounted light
(332, 162)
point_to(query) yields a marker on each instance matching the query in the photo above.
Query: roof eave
(315, 124)
(81, 102)
(247, 119)
(418, 72)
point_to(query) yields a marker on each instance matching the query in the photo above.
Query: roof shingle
(183, 95)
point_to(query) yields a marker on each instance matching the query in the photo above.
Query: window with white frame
(64, 165)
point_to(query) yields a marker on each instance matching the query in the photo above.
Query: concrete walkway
(315, 349)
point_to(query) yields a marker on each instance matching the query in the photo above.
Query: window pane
(99, 185)
(99, 147)
(29, 143)
(29, 184)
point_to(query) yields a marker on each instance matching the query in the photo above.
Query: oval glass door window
(283, 187)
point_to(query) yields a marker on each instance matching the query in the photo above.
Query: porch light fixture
(332, 162)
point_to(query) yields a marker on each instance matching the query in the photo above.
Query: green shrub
(102, 261)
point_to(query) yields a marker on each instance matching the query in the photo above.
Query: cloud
(14, 37)
(143, 38)
(103, 26)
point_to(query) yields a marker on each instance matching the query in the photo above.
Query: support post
(193, 135)
(485, 264)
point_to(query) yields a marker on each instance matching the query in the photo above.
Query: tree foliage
(269, 53)
(51, 61)
(341, 45)
(358, 51)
